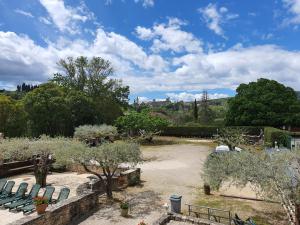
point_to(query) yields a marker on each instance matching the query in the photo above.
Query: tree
(107, 156)
(264, 103)
(12, 117)
(206, 114)
(273, 175)
(95, 132)
(232, 137)
(47, 110)
(93, 78)
(42, 152)
(82, 109)
(195, 112)
(143, 123)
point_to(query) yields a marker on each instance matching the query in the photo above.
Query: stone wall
(165, 219)
(65, 212)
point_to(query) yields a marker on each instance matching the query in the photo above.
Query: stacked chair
(6, 191)
(19, 201)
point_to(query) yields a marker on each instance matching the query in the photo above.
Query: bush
(205, 131)
(282, 137)
(201, 131)
(88, 132)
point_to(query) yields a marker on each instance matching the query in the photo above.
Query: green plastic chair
(63, 195)
(7, 189)
(31, 207)
(18, 195)
(2, 184)
(27, 200)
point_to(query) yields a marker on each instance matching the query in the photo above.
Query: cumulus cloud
(293, 6)
(21, 59)
(188, 97)
(24, 13)
(170, 37)
(214, 17)
(66, 18)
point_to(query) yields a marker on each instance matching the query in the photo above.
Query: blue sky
(159, 48)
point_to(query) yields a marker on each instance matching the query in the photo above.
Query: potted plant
(41, 204)
(142, 223)
(124, 209)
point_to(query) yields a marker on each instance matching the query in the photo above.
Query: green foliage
(273, 175)
(273, 135)
(264, 103)
(48, 111)
(12, 117)
(195, 112)
(106, 96)
(133, 122)
(232, 137)
(199, 131)
(87, 132)
(107, 156)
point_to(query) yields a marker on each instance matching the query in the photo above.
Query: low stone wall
(165, 219)
(63, 213)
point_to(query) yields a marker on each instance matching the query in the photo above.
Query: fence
(212, 214)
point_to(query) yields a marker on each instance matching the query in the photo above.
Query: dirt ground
(176, 169)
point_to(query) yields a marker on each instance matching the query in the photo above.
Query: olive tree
(273, 175)
(90, 132)
(232, 137)
(42, 152)
(107, 157)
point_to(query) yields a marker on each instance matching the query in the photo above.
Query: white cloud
(146, 3)
(170, 37)
(215, 17)
(293, 7)
(24, 13)
(66, 18)
(23, 60)
(188, 97)
(45, 20)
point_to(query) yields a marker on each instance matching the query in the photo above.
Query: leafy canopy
(264, 103)
(133, 122)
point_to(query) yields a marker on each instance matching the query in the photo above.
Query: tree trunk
(297, 214)
(41, 177)
(109, 187)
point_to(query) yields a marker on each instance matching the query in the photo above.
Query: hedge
(199, 131)
(282, 137)
(203, 131)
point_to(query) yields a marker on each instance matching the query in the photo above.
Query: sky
(160, 48)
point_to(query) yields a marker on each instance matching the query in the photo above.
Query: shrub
(201, 131)
(88, 132)
(272, 134)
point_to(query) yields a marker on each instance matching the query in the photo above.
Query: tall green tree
(93, 77)
(48, 111)
(195, 112)
(264, 103)
(12, 117)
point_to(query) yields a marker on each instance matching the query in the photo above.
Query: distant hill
(298, 93)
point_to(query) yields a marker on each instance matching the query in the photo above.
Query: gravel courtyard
(169, 169)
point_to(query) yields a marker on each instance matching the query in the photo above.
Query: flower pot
(41, 208)
(124, 212)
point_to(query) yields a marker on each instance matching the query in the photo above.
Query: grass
(263, 213)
